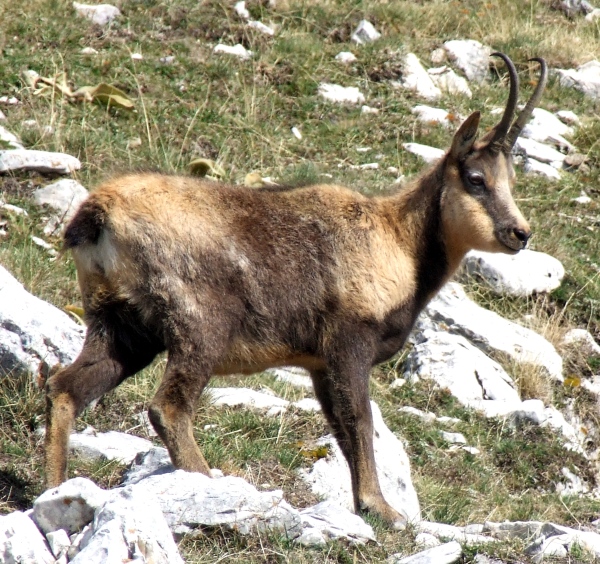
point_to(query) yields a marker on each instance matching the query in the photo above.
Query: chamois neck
(415, 214)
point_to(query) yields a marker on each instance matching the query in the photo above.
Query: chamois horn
(498, 141)
(526, 112)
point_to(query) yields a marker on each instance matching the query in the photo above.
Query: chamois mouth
(512, 245)
(510, 250)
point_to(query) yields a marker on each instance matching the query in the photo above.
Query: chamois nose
(522, 235)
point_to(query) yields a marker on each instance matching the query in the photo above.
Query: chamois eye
(476, 178)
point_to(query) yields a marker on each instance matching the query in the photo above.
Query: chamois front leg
(343, 392)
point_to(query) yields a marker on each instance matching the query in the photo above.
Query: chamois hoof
(394, 519)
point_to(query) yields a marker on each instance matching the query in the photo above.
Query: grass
(240, 114)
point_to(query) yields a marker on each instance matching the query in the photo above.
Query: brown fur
(230, 279)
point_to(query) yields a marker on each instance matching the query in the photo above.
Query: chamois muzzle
(522, 235)
(514, 238)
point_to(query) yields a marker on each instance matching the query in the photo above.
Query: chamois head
(478, 208)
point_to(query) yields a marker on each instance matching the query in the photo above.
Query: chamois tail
(87, 224)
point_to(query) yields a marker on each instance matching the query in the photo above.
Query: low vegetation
(240, 114)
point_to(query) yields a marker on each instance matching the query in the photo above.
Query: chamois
(229, 279)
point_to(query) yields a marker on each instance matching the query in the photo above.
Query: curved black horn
(526, 112)
(497, 142)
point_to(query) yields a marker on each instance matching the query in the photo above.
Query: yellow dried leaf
(254, 180)
(206, 167)
(572, 381)
(315, 453)
(77, 310)
(105, 94)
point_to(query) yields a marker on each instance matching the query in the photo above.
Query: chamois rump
(229, 279)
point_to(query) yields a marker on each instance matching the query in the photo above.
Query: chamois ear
(465, 136)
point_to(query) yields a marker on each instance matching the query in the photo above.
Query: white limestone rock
(263, 28)
(556, 540)
(429, 154)
(471, 57)
(568, 117)
(100, 14)
(34, 335)
(78, 541)
(573, 484)
(453, 438)
(191, 500)
(426, 416)
(9, 139)
(397, 383)
(523, 530)
(447, 553)
(432, 116)
(553, 547)
(21, 542)
(583, 199)
(330, 477)
(64, 196)
(465, 535)
(238, 51)
(426, 540)
(533, 166)
(365, 33)
(438, 56)
(327, 521)
(307, 404)
(241, 10)
(534, 411)
(59, 543)
(546, 127)
(39, 161)
(416, 78)
(16, 210)
(583, 339)
(368, 110)
(540, 151)
(345, 57)
(111, 445)
(129, 526)
(153, 462)
(574, 7)
(70, 506)
(247, 397)
(455, 364)
(526, 273)
(449, 82)
(593, 15)
(298, 377)
(490, 332)
(340, 94)
(167, 60)
(585, 78)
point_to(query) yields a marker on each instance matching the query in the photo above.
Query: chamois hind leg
(172, 410)
(192, 358)
(343, 394)
(108, 357)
